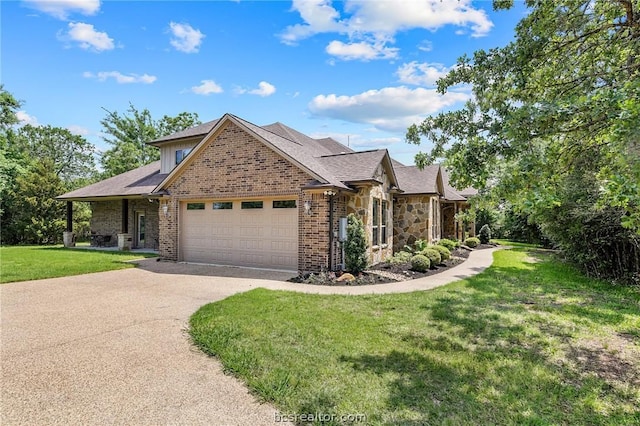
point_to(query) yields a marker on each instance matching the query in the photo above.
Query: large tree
(129, 133)
(552, 125)
(38, 163)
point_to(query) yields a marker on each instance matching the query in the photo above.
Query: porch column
(68, 237)
(125, 216)
(125, 238)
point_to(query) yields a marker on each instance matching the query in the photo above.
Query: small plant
(433, 255)
(407, 248)
(420, 263)
(355, 248)
(471, 242)
(485, 234)
(420, 245)
(449, 244)
(445, 254)
(400, 257)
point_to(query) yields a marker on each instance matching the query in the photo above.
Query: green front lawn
(22, 263)
(529, 341)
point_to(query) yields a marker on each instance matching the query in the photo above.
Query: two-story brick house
(233, 193)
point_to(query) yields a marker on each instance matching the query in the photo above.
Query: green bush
(445, 254)
(485, 234)
(433, 255)
(355, 248)
(420, 263)
(471, 242)
(449, 244)
(420, 245)
(400, 257)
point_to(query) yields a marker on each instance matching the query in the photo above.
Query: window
(383, 223)
(251, 205)
(181, 153)
(375, 240)
(284, 204)
(222, 205)
(195, 206)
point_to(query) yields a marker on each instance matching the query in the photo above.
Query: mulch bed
(384, 272)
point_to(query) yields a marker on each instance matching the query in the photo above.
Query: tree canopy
(552, 126)
(129, 133)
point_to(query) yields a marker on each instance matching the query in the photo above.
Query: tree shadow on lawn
(509, 348)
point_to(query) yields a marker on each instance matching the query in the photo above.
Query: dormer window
(181, 154)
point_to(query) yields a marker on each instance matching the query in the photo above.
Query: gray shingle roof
(199, 130)
(137, 182)
(330, 162)
(354, 166)
(412, 180)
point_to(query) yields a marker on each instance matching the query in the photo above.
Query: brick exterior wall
(150, 210)
(236, 165)
(106, 219)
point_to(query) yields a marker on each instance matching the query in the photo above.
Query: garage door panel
(264, 237)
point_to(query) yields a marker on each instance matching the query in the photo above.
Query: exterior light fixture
(165, 208)
(307, 207)
(329, 193)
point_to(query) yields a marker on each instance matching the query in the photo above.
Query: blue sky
(358, 71)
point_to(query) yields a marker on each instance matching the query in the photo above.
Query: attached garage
(260, 233)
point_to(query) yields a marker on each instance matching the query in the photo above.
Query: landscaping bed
(387, 272)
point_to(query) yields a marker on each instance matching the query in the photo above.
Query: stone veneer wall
(361, 204)
(236, 165)
(411, 220)
(449, 221)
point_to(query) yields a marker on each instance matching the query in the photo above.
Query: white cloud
(426, 46)
(24, 118)
(264, 89)
(380, 20)
(62, 8)
(421, 74)
(185, 38)
(362, 50)
(358, 141)
(319, 17)
(207, 87)
(78, 130)
(389, 109)
(88, 38)
(121, 78)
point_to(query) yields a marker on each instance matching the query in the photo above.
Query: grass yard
(22, 263)
(529, 341)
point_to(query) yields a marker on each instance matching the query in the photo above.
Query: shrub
(355, 248)
(449, 244)
(420, 245)
(485, 234)
(445, 254)
(420, 263)
(471, 242)
(400, 257)
(433, 255)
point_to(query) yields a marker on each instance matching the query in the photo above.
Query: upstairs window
(181, 154)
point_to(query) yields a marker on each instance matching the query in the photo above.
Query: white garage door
(260, 233)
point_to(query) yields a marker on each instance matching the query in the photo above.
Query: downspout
(331, 267)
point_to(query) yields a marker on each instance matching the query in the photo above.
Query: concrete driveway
(112, 347)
